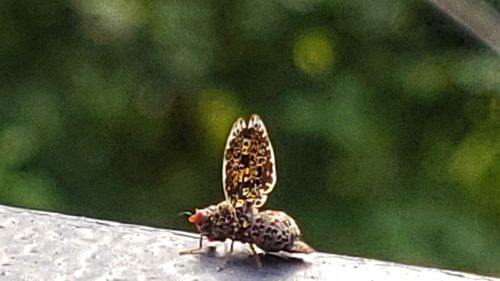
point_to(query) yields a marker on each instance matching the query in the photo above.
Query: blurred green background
(384, 116)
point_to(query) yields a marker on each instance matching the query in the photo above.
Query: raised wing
(249, 168)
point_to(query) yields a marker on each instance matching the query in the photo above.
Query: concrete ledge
(37, 245)
(477, 16)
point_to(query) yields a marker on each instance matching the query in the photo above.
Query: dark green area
(384, 116)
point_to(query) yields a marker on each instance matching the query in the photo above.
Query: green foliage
(384, 117)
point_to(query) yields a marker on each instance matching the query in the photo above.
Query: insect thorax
(219, 223)
(245, 215)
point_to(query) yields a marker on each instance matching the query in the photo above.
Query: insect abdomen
(274, 231)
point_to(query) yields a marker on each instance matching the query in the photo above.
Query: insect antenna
(185, 213)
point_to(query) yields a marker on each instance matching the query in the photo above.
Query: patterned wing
(249, 168)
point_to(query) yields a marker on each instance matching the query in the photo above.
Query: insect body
(275, 231)
(249, 175)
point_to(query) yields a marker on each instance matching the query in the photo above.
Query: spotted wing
(249, 168)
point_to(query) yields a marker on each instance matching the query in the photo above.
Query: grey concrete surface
(477, 16)
(37, 245)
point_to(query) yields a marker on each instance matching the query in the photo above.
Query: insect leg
(257, 260)
(193, 251)
(232, 247)
(252, 247)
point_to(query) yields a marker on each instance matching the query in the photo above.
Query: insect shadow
(242, 263)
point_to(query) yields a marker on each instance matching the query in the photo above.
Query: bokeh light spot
(105, 99)
(17, 145)
(479, 74)
(107, 20)
(218, 110)
(314, 52)
(472, 159)
(184, 36)
(40, 112)
(29, 190)
(425, 79)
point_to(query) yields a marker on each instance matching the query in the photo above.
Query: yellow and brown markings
(249, 168)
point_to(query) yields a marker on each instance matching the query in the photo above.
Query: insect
(249, 175)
